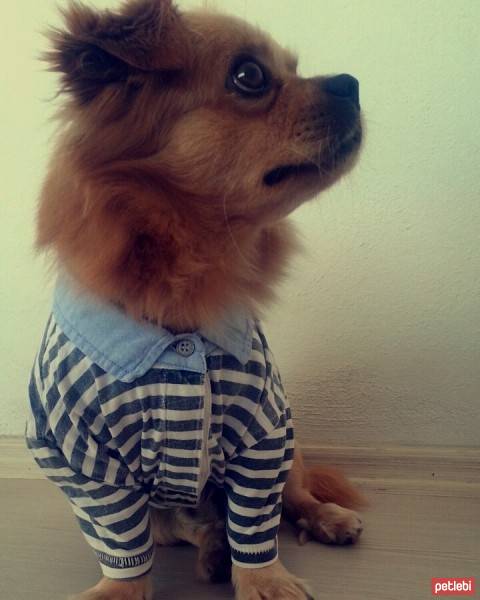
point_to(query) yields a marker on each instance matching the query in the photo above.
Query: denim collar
(128, 349)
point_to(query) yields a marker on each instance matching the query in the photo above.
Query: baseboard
(363, 464)
(16, 462)
(415, 463)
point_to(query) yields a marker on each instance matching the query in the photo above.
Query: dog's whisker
(306, 158)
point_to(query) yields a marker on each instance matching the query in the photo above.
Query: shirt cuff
(255, 556)
(125, 567)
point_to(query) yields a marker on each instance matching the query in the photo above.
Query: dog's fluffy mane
(114, 217)
(120, 235)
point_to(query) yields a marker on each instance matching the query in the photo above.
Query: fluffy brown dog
(188, 140)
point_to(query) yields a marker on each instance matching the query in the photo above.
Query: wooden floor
(413, 532)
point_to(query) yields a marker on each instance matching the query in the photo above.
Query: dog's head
(216, 104)
(200, 109)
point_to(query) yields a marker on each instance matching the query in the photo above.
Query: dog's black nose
(343, 86)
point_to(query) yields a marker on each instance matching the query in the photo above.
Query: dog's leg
(110, 589)
(204, 528)
(268, 583)
(319, 501)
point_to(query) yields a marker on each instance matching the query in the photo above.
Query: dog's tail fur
(328, 484)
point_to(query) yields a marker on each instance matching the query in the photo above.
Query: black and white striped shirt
(125, 416)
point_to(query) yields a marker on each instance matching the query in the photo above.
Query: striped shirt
(126, 416)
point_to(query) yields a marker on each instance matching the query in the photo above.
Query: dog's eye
(249, 78)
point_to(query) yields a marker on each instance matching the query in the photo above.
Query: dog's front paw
(330, 524)
(109, 589)
(268, 583)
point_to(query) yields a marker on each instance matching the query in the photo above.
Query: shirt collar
(128, 348)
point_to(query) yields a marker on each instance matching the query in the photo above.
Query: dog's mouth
(317, 168)
(283, 172)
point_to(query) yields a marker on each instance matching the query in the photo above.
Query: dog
(187, 139)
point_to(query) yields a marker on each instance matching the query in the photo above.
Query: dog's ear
(98, 48)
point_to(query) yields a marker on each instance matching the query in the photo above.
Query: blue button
(185, 348)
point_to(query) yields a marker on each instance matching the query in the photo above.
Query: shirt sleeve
(254, 482)
(114, 520)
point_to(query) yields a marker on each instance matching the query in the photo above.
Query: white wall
(377, 331)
